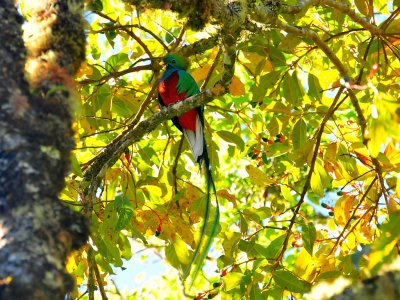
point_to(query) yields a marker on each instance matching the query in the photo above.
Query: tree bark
(37, 231)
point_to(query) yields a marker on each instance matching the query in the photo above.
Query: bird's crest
(177, 61)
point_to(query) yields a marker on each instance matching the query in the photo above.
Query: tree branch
(373, 29)
(111, 153)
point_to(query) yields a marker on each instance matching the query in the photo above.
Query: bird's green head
(176, 61)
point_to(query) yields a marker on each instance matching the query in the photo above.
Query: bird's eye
(173, 61)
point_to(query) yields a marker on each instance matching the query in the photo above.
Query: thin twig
(99, 282)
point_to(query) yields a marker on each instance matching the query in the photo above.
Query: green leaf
(275, 292)
(171, 256)
(257, 214)
(75, 166)
(255, 292)
(230, 242)
(277, 149)
(171, 34)
(274, 126)
(110, 220)
(232, 280)
(277, 57)
(113, 254)
(286, 193)
(299, 134)
(275, 247)
(289, 43)
(111, 35)
(291, 90)
(230, 137)
(104, 265)
(114, 62)
(244, 225)
(291, 282)
(124, 208)
(266, 82)
(125, 247)
(309, 235)
(363, 7)
(349, 162)
(314, 88)
(138, 234)
(95, 5)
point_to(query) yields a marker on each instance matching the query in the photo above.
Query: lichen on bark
(37, 232)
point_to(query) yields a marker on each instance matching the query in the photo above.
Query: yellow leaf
(232, 279)
(343, 208)
(327, 263)
(85, 69)
(200, 73)
(183, 228)
(192, 193)
(330, 152)
(376, 257)
(237, 87)
(218, 89)
(225, 194)
(250, 60)
(363, 232)
(350, 243)
(303, 265)
(377, 135)
(181, 251)
(392, 205)
(112, 174)
(316, 184)
(257, 176)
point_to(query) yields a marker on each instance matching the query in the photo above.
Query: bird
(177, 84)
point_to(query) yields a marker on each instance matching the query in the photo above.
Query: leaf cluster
(304, 146)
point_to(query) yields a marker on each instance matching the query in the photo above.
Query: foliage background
(304, 145)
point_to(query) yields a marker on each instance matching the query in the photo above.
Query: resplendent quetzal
(176, 85)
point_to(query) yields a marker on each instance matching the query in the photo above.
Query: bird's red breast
(169, 94)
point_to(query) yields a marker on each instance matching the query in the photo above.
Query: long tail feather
(196, 140)
(205, 242)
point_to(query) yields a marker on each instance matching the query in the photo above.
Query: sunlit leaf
(230, 137)
(266, 82)
(257, 176)
(314, 88)
(232, 279)
(237, 87)
(299, 134)
(384, 245)
(309, 235)
(291, 90)
(291, 282)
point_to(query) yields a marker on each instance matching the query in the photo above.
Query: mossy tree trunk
(37, 231)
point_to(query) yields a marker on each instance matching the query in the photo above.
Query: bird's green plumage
(176, 61)
(187, 84)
